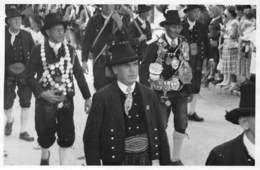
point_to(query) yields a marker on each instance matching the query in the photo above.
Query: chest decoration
(176, 62)
(57, 76)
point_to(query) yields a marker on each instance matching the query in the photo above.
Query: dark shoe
(177, 163)
(195, 117)
(25, 136)
(45, 161)
(8, 128)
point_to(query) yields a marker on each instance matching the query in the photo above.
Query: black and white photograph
(144, 84)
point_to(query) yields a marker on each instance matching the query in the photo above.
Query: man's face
(194, 14)
(127, 73)
(56, 33)
(107, 9)
(15, 22)
(145, 15)
(247, 123)
(173, 30)
(251, 123)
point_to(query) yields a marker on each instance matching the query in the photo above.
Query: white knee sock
(24, 119)
(45, 153)
(63, 155)
(178, 139)
(8, 114)
(192, 105)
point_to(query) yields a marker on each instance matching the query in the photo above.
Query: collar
(123, 87)
(250, 147)
(191, 24)
(55, 45)
(169, 39)
(12, 33)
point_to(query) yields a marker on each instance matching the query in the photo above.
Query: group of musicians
(127, 118)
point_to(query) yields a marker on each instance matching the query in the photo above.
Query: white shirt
(169, 40)
(250, 147)
(55, 46)
(142, 22)
(13, 35)
(123, 87)
(191, 23)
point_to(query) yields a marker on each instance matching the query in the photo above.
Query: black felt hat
(121, 53)
(12, 12)
(246, 105)
(51, 20)
(143, 8)
(171, 18)
(191, 7)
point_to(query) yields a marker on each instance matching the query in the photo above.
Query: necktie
(129, 100)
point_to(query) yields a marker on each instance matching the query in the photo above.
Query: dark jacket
(106, 120)
(35, 67)
(214, 34)
(93, 28)
(27, 45)
(134, 34)
(198, 35)
(232, 152)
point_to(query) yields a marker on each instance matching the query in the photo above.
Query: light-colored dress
(230, 48)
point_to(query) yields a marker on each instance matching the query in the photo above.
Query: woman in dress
(230, 48)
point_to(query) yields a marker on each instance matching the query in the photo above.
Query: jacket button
(249, 159)
(112, 147)
(111, 130)
(137, 116)
(129, 128)
(155, 129)
(156, 153)
(137, 127)
(156, 146)
(112, 138)
(129, 117)
(113, 156)
(155, 137)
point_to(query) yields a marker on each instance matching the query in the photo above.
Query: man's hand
(85, 67)
(51, 96)
(142, 38)
(155, 162)
(88, 103)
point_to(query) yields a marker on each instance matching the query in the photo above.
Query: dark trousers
(179, 109)
(50, 120)
(24, 92)
(133, 159)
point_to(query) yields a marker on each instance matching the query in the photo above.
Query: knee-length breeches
(49, 121)
(179, 109)
(24, 92)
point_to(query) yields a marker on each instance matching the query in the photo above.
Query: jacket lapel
(146, 104)
(115, 100)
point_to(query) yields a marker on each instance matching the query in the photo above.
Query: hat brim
(164, 23)
(124, 60)
(18, 15)
(233, 115)
(144, 10)
(45, 27)
(191, 8)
